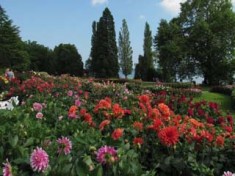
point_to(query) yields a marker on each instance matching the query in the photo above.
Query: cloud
(142, 17)
(95, 2)
(233, 2)
(171, 5)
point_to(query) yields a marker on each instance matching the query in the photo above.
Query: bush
(191, 92)
(179, 85)
(233, 98)
(226, 90)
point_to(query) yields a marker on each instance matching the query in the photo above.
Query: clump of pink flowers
(7, 170)
(106, 155)
(39, 115)
(65, 145)
(77, 103)
(39, 160)
(228, 173)
(37, 107)
(70, 93)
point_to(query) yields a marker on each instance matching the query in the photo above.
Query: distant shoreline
(197, 79)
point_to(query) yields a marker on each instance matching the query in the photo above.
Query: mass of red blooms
(144, 122)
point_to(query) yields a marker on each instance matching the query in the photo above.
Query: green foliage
(125, 50)
(198, 154)
(169, 44)
(104, 59)
(200, 41)
(148, 42)
(139, 68)
(68, 60)
(40, 57)
(12, 53)
(144, 69)
(179, 85)
(223, 100)
(208, 27)
(226, 90)
(233, 99)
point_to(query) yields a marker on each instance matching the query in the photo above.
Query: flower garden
(70, 126)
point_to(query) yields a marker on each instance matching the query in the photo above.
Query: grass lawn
(223, 100)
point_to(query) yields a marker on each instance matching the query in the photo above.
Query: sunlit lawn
(223, 100)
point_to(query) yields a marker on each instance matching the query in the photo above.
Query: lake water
(197, 79)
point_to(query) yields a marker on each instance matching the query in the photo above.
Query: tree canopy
(41, 57)
(125, 50)
(145, 67)
(200, 41)
(12, 53)
(68, 60)
(104, 58)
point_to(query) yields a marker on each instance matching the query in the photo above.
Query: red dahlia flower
(169, 136)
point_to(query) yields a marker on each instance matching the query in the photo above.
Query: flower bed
(65, 125)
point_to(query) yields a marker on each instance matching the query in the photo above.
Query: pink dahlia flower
(39, 115)
(228, 173)
(37, 106)
(106, 155)
(7, 170)
(70, 93)
(39, 160)
(65, 145)
(77, 103)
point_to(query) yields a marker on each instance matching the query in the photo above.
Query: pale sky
(51, 22)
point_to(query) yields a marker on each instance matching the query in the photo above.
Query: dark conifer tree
(12, 53)
(104, 59)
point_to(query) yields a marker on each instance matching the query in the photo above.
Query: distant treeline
(199, 41)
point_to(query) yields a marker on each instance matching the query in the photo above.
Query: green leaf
(127, 146)
(13, 141)
(87, 160)
(81, 141)
(21, 161)
(100, 171)
(29, 142)
(178, 163)
(67, 168)
(81, 169)
(1, 152)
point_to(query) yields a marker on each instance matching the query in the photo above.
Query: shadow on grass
(224, 101)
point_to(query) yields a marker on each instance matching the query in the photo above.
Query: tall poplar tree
(145, 68)
(125, 50)
(148, 43)
(104, 61)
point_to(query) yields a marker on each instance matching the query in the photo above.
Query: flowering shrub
(186, 85)
(73, 127)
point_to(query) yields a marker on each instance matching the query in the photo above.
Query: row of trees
(63, 59)
(199, 41)
(103, 61)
